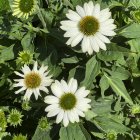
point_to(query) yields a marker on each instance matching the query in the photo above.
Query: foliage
(112, 76)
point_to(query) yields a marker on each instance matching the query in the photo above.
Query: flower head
(25, 57)
(68, 102)
(19, 137)
(135, 109)
(90, 25)
(24, 8)
(15, 117)
(111, 135)
(44, 124)
(33, 81)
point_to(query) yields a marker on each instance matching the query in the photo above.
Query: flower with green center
(19, 137)
(135, 109)
(33, 81)
(3, 122)
(26, 106)
(88, 25)
(111, 135)
(14, 117)
(44, 124)
(24, 8)
(68, 103)
(25, 57)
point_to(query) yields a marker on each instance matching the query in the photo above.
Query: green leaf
(118, 87)
(104, 85)
(134, 3)
(107, 124)
(131, 31)
(73, 132)
(92, 70)
(7, 53)
(41, 135)
(4, 5)
(71, 60)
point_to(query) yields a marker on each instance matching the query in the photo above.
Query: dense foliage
(112, 76)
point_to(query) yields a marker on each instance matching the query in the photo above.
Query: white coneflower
(23, 8)
(33, 81)
(89, 25)
(68, 102)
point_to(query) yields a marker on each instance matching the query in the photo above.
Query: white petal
(103, 38)
(51, 107)
(19, 74)
(108, 33)
(65, 119)
(36, 93)
(51, 99)
(71, 116)
(56, 89)
(84, 46)
(73, 85)
(53, 112)
(104, 16)
(69, 23)
(65, 86)
(100, 43)
(77, 39)
(26, 69)
(76, 115)
(27, 94)
(71, 32)
(73, 16)
(20, 90)
(60, 116)
(88, 10)
(80, 113)
(80, 11)
(81, 92)
(35, 67)
(90, 4)
(44, 89)
(94, 44)
(96, 11)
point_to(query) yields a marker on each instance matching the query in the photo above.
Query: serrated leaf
(118, 87)
(109, 124)
(41, 135)
(72, 132)
(92, 70)
(132, 31)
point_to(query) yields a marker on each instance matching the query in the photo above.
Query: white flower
(68, 102)
(89, 25)
(33, 81)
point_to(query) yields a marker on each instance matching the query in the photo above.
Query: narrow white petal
(65, 86)
(28, 94)
(94, 44)
(100, 43)
(26, 69)
(44, 89)
(56, 89)
(103, 38)
(69, 23)
(84, 45)
(73, 16)
(19, 74)
(53, 112)
(35, 66)
(80, 113)
(77, 39)
(81, 92)
(104, 16)
(80, 11)
(108, 33)
(88, 10)
(51, 99)
(91, 6)
(51, 107)
(71, 116)
(60, 116)
(20, 90)
(96, 11)
(73, 85)
(65, 119)
(71, 32)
